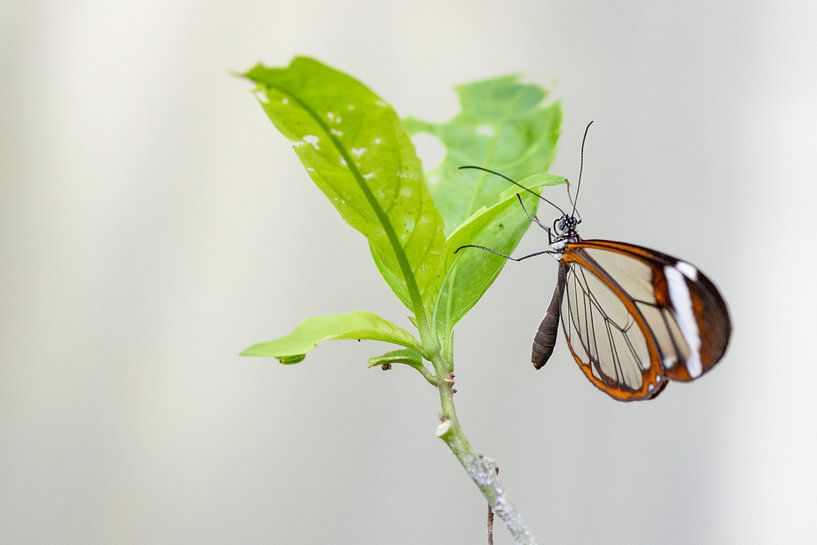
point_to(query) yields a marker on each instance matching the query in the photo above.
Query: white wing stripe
(687, 270)
(682, 304)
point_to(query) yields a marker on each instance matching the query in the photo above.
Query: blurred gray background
(153, 224)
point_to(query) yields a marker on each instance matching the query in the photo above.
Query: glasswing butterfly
(634, 318)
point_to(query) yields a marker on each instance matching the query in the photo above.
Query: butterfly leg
(534, 219)
(500, 254)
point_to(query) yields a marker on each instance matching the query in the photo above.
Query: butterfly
(634, 318)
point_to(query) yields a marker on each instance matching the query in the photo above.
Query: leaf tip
(254, 73)
(289, 360)
(248, 351)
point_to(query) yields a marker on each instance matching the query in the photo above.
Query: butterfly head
(565, 227)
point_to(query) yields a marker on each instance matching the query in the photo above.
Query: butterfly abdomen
(548, 330)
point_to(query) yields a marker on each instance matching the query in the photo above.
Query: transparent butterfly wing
(635, 318)
(606, 339)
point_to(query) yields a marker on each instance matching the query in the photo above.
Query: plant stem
(482, 470)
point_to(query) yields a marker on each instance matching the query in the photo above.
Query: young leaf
(471, 271)
(292, 348)
(357, 152)
(405, 356)
(502, 126)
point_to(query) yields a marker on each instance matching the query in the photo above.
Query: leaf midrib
(391, 234)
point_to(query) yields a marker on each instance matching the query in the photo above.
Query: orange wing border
(709, 308)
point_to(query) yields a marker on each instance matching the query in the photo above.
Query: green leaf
(357, 152)
(405, 356)
(292, 348)
(502, 126)
(471, 271)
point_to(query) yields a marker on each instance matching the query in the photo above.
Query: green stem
(482, 470)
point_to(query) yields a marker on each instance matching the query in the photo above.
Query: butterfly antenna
(581, 168)
(569, 196)
(514, 182)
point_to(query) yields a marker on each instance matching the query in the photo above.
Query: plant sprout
(359, 153)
